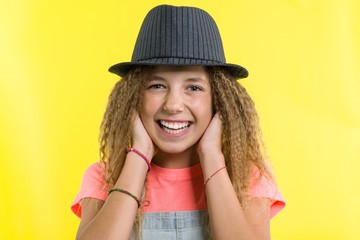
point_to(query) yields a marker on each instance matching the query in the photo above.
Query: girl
(195, 167)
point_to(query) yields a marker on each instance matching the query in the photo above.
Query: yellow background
(304, 61)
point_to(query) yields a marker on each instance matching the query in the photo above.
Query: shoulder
(95, 171)
(93, 186)
(262, 186)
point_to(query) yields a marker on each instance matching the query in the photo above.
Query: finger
(217, 116)
(134, 114)
(217, 119)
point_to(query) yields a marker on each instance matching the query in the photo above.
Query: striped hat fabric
(180, 36)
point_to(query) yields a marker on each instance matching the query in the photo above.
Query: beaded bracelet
(131, 149)
(213, 175)
(126, 192)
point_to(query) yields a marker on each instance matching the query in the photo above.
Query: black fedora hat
(172, 35)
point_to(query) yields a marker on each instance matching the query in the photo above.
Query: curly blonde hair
(242, 145)
(241, 139)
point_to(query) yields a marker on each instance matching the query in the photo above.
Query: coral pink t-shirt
(170, 190)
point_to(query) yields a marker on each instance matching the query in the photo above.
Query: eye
(195, 88)
(156, 86)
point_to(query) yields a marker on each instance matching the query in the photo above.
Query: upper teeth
(174, 125)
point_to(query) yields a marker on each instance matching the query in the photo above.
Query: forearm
(116, 218)
(228, 218)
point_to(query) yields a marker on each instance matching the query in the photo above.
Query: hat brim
(236, 71)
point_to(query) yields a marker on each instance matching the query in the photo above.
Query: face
(177, 107)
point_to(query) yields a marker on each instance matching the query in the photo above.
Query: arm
(228, 219)
(114, 218)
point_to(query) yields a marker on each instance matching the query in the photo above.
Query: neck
(178, 160)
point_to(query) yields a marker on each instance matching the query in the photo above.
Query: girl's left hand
(141, 139)
(210, 142)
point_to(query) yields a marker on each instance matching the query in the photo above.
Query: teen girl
(195, 167)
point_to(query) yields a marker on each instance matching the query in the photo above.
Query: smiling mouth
(174, 127)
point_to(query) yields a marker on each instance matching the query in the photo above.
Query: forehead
(180, 71)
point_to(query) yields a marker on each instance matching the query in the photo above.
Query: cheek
(146, 108)
(147, 113)
(203, 112)
(204, 107)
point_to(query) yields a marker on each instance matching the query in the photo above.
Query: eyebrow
(195, 80)
(158, 78)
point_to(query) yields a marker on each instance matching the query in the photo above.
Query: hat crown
(183, 34)
(179, 36)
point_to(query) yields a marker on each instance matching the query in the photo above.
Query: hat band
(177, 60)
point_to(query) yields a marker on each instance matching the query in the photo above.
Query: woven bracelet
(131, 149)
(127, 193)
(213, 175)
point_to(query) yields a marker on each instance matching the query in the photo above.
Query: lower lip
(170, 135)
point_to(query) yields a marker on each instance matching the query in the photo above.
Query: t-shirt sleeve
(264, 187)
(92, 186)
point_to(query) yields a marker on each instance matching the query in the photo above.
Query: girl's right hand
(141, 139)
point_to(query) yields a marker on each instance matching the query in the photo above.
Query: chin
(174, 149)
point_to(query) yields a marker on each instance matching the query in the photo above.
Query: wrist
(211, 162)
(211, 157)
(207, 151)
(141, 155)
(147, 151)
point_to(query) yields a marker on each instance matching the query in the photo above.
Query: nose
(173, 102)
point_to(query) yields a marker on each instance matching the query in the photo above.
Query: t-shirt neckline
(176, 173)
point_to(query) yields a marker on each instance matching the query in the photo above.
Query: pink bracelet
(130, 149)
(213, 175)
